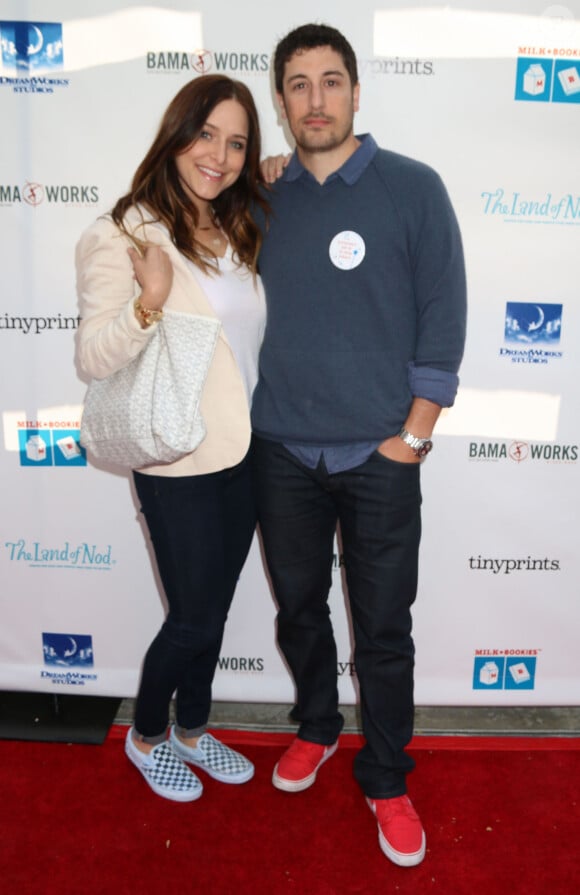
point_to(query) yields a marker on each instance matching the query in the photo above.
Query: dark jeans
(378, 507)
(201, 528)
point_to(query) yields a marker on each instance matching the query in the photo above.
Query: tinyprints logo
(508, 566)
(50, 444)
(346, 669)
(80, 556)
(548, 75)
(68, 649)
(395, 67)
(31, 50)
(522, 451)
(31, 193)
(530, 324)
(513, 208)
(203, 61)
(36, 326)
(505, 669)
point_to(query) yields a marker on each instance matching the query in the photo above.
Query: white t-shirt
(240, 304)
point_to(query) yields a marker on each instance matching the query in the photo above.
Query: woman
(183, 238)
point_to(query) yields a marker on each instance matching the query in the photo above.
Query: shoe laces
(401, 806)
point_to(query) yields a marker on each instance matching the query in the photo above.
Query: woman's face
(215, 160)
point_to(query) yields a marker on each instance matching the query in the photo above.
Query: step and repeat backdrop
(486, 93)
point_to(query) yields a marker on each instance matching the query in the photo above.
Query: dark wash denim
(378, 508)
(201, 528)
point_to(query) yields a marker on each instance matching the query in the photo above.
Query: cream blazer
(110, 336)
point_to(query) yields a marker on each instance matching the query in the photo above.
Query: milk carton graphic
(36, 449)
(489, 674)
(534, 80)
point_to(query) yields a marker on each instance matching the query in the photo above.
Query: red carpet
(501, 815)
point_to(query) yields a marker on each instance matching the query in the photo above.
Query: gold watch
(146, 316)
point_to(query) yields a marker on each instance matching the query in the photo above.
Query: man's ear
(356, 97)
(280, 100)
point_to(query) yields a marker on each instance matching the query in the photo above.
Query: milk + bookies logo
(504, 669)
(548, 75)
(50, 444)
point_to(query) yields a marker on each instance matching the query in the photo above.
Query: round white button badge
(347, 250)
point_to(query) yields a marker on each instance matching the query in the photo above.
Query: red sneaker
(401, 836)
(299, 765)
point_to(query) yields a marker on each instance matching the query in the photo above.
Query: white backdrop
(489, 95)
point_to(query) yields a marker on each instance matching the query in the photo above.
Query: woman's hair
(157, 186)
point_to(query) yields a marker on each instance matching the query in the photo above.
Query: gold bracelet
(146, 316)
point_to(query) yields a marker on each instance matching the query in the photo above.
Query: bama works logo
(33, 194)
(30, 52)
(202, 62)
(522, 452)
(505, 669)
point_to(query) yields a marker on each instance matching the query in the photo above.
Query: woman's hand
(273, 167)
(154, 273)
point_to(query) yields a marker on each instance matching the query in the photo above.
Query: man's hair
(307, 37)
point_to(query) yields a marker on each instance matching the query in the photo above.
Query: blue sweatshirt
(365, 289)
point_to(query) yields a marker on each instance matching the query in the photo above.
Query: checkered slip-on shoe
(165, 773)
(217, 760)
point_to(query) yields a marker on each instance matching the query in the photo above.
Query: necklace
(218, 238)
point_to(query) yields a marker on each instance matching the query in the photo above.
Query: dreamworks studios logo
(522, 452)
(535, 329)
(65, 652)
(34, 194)
(32, 51)
(28, 46)
(504, 669)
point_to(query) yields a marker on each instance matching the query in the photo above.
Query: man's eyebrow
(325, 74)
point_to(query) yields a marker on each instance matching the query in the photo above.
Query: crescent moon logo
(33, 48)
(539, 322)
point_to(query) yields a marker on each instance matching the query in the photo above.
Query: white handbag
(148, 412)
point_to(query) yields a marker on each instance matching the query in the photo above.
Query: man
(363, 269)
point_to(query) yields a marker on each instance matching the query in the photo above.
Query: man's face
(318, 99)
